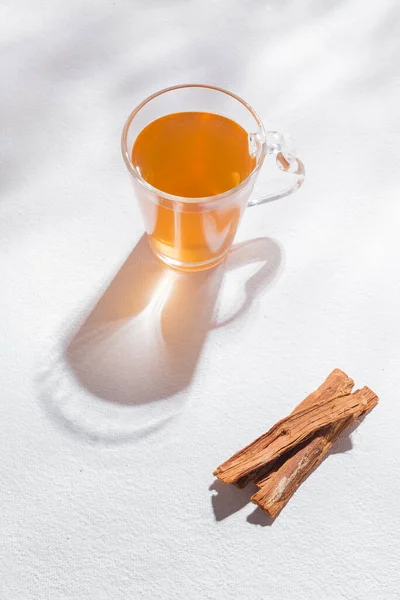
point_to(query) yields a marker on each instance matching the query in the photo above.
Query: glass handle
(281, 146)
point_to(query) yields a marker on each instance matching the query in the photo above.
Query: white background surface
(108, 441)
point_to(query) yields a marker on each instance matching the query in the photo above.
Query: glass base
(187, 267)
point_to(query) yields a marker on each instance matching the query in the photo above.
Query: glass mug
(193, 234)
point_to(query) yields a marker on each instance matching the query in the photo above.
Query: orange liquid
(192, 155)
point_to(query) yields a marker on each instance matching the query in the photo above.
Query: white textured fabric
(123, 386)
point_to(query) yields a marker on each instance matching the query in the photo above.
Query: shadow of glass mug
(192, 234)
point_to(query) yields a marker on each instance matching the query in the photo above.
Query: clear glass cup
(214, 218)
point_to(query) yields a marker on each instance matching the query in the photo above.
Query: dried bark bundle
(282, 458)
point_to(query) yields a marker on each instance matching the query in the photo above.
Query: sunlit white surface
(124, 387)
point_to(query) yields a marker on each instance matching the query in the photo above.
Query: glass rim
(185, 199)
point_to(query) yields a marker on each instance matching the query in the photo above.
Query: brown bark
(279, 486)
(337, 384)
(292, 431)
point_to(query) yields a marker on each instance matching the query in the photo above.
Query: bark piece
(292, 431)
(279, 486)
